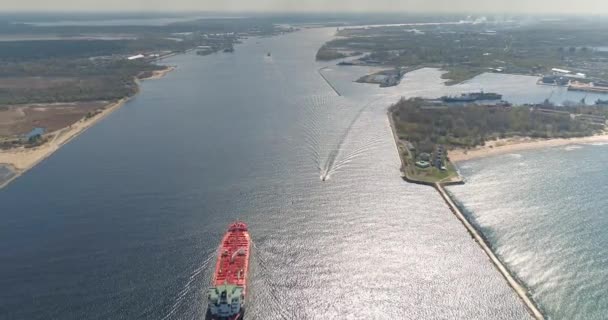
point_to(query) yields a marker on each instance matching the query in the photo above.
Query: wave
(339, 157)
(195, 275)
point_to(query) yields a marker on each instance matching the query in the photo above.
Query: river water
(124, 221)
(5, 174)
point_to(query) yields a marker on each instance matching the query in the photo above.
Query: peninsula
(431, 135)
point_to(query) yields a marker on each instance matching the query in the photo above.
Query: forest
(74, 70)
(469, 126)
(467, 50)
(20, 51)
(68, 80)
(94, 66)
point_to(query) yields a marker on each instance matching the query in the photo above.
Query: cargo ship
(472, 97)
(226, 297)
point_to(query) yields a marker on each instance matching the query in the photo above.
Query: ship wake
(334, 134)
(199, 274)
(262, 297)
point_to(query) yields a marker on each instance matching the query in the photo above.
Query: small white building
(139, 56)
(562, 71)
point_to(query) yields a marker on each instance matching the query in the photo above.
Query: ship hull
(226, 297)
(447, 99)
(239, 316)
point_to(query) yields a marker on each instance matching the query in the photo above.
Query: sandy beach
(22, 159)
(157, 74)
(510, 145)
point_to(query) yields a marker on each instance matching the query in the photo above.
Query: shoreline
(20, 160)
(320, 71)
(157, 74)
(515, 144)
(458, 179)
(518, 287)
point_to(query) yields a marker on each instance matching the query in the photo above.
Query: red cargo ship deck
(227, 297)
(233, 258)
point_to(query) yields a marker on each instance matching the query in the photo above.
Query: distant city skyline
(438, 6)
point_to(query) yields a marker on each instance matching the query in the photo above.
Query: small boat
(226, 298)
(268, 55)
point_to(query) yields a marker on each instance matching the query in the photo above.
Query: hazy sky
(510, 6)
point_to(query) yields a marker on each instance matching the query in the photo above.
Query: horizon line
(190, 12)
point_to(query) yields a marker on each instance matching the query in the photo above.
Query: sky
(431, 6)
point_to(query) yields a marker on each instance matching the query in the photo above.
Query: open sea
(124, 221)
(545, 213)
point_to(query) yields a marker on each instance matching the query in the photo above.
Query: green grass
(326, 54)
(458, 74)
(429, 175)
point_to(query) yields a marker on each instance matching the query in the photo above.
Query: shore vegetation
(62, 79)
(426, 132)
(465, 50)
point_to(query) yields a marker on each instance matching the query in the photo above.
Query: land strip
(519, 289)
(468, 49)
(430, 134)
(20, 160)
(511, 145)
(328, 82)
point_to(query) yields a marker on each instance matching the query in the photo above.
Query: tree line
(426, 125)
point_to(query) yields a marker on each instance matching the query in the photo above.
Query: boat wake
(262, 297)
(201, 273)
(339, 156)
(322, 114)
(330, 125)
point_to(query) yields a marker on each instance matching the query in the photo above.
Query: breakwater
(327, 81)
(521, 291)
(7, 174)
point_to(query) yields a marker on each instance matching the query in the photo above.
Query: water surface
(545, 214)
(124, 221)
(5, 174)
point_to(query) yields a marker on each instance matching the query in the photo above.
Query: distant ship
(226, 299)
(471, 97)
